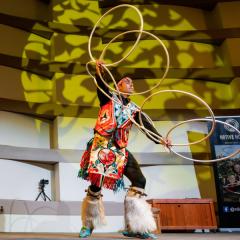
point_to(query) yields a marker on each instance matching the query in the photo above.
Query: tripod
(43, 194)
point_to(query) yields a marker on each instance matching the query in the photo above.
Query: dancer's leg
(139, 220)
(92, 211)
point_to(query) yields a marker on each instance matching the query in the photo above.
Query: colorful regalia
(104, 159)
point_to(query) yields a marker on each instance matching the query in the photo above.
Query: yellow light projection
(168, 17)
(65, 55)
(37, 88)
(37, 48)
(205, 179)
(215, 94)
(73, 88)
(75, 11)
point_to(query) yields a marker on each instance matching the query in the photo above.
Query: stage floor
(104, 236)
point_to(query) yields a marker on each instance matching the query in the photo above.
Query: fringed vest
(113, 121)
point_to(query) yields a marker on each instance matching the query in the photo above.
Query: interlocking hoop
(97, 23)
(205, 120)
(151, 134)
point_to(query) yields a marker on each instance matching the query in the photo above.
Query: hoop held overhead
(161, 79)
(100, 19)
(151, 134)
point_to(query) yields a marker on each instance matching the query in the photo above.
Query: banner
(224, 141)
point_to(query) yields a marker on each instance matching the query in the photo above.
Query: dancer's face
(126, 85)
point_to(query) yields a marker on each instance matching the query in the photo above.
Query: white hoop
(151, 134)
(211, 160)
(160, 81)
(99, 20)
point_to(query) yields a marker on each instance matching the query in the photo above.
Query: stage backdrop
(224, 141)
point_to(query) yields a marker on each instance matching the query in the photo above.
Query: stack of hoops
(152, 135)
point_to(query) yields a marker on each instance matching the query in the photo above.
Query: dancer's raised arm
(103, 99)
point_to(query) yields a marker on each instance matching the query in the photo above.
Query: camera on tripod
(43, 182)
(41, 186)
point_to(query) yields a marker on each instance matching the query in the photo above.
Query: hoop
(100, 19)
(151, 134)
(143, 92)
(211, 160)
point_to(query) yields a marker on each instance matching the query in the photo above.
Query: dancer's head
(125, 85)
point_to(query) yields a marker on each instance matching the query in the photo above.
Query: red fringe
(108, 182)
(85, 159)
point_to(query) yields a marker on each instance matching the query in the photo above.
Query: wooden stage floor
(104, 236)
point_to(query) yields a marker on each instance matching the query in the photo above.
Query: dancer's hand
(166, 142)
(99, 67)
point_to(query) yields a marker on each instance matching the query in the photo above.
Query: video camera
(43, 182)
